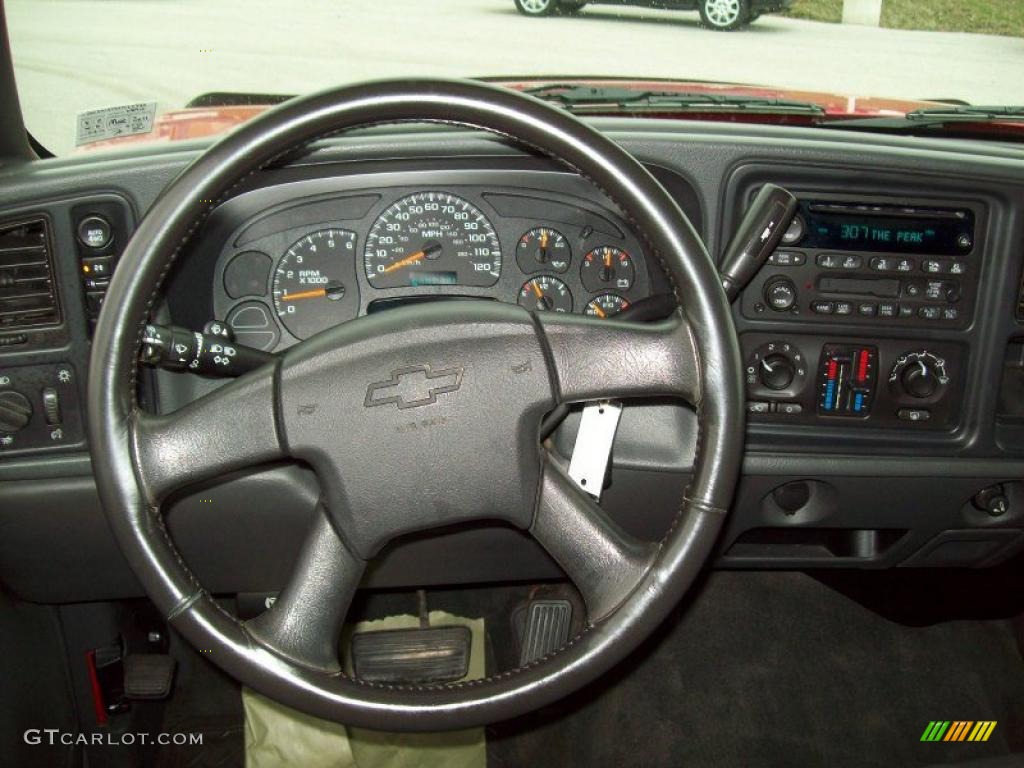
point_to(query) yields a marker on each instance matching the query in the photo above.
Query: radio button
(758, 406)
(905, 265)
(906, 310)
(830, 260)
(882, 264)
(930, 312)
(888, 309)
(795, 231)
(913, 290)
(823, 307)
(844, 308)
(935, 289)
(868, 309)
(789, 409)
(780, 294)
(957, 268)
(950, 313)
(852, 262)
(931, 266)
(788, 259)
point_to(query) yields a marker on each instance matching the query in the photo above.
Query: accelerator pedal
(423, 655)
(545, 629)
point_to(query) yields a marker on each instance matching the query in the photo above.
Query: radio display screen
(851, 227)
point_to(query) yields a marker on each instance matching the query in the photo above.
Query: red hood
(200, 122)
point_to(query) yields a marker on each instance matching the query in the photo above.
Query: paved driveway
(74, 55)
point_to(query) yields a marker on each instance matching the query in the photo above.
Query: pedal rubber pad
(546, 629)
(426, 655)
(148, 675)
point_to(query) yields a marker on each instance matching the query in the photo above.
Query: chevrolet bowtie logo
(413, 386)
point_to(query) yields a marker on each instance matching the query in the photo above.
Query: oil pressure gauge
(543, 249)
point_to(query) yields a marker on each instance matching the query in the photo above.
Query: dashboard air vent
(28, 296)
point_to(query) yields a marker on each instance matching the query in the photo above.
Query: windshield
(96, 73)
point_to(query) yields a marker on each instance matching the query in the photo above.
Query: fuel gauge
(606, 305)
(545, 294)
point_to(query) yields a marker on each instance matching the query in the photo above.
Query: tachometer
(432, 238)
(312, 284)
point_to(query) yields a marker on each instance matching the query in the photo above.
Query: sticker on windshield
(111, 122)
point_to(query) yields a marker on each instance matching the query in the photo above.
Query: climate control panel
(853, 382)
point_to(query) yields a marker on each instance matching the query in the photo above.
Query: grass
(995, 17)
(817, 10)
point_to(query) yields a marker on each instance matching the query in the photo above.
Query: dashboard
(337, 249)
(883, 341)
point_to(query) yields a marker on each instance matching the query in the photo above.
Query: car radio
(872, 262)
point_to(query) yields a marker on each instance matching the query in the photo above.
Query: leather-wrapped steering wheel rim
(136, 520)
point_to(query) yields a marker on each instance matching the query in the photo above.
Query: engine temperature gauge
(545, 294)
(606, 305)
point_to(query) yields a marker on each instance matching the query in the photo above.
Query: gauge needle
(315, 293)
(537, 290)
(608, 259)
(413, 258)
(600, 312)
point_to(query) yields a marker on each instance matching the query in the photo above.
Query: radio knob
(777, 372)
(780, 294)
(15, 411)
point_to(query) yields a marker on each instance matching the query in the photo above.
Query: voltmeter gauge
(607, 268)
(545, 294)
(606, 305)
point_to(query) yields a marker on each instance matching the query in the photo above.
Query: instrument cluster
(296, 269)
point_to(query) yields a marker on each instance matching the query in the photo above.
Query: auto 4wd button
(95, 232)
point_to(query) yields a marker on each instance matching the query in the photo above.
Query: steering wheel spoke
(304, 623)
(595, 359)
(602, 560)
(228, 429)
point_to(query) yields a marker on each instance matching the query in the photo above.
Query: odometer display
(432, 238)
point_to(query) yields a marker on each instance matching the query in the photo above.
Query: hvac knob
(15, 411)
(919, 375)
(776, 371)
(919, 380)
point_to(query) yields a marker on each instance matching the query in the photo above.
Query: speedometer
(432, 238)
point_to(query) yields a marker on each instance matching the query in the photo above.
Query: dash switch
(51, 406)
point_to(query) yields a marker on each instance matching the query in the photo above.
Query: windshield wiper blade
(967, 113)
(932, 118)
(581, 99)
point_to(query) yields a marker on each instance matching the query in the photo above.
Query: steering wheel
(418, 418)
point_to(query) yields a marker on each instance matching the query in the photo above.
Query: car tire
(723, 15)
(536, 7)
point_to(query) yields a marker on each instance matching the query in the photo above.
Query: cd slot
(883, 288)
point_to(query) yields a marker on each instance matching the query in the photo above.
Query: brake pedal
(424, 655)
(545, 629)
(148, 675)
